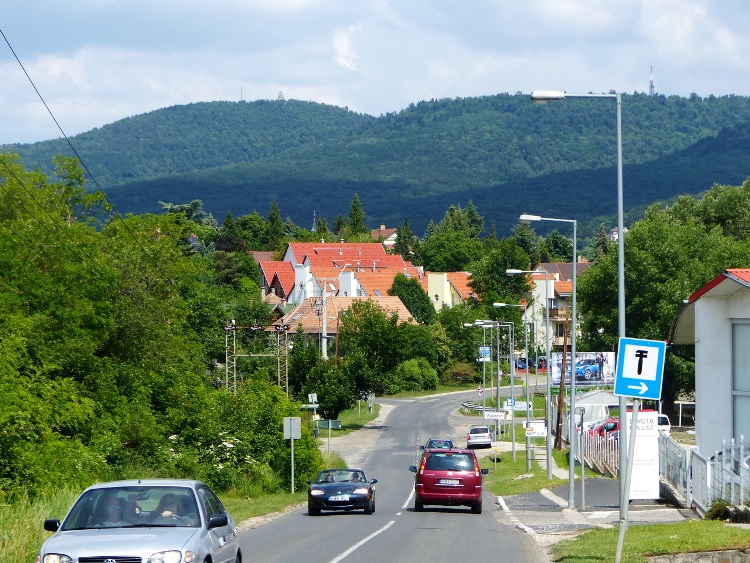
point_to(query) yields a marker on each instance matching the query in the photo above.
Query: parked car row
(540, 362)
(610, 427)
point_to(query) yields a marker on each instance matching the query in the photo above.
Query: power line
(57, 226)
(83, 164)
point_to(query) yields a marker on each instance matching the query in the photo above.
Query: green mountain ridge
(503, 153)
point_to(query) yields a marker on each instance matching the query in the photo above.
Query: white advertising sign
(536, 429)
(644, 479)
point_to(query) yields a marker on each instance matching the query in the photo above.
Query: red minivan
(449, 478)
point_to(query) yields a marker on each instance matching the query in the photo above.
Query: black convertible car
(341, 489)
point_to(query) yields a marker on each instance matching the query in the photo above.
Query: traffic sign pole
(640, 370)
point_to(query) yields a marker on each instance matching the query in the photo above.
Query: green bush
(718, 510)
(459, 373)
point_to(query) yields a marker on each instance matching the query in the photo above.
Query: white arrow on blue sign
(640, 368)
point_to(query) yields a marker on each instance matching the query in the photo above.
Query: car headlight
(56, 558)
(171, 557)
(316, 492)
(362, 491)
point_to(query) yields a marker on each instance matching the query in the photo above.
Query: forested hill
(504, 153)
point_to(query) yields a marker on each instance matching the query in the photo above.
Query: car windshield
(445, 444)
(449, 462)
(341, 476)
(123, 507)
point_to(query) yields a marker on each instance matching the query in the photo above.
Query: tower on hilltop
(651, 83)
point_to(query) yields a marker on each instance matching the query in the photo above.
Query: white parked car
(663, 424)
(154, 520)
(479, 436)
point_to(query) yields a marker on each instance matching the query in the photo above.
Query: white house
(716, 318)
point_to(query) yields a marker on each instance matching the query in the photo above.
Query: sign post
(292, 431)
(312, 398)
(640, 369)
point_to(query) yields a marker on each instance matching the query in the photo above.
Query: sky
(97, 61)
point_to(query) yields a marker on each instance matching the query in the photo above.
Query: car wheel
(369, 509)
(587, 374)
(312, 511)
(418, 506)
(476, 508)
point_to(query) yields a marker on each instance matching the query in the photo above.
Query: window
(740, 379)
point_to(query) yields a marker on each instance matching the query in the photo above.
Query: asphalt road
(395, 532)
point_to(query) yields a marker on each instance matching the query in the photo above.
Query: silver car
(479, 436)
(144, 521)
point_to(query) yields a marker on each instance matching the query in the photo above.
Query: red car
(605, 427)
(448, 478)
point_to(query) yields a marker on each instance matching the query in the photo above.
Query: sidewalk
(546, 516)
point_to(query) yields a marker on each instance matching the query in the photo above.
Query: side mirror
(373, 481)
(413, 468)
(421, 447)
(485, 471)
(309, 482)
(217, 521)
(52, 525)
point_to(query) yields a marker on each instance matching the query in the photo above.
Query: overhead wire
(82, 253)
(75, 152)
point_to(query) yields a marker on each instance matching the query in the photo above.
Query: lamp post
(492, 325)
(548, 399)
(526, 355)
(543, 96)
(574, 324)
(480, 324)
(512, 364)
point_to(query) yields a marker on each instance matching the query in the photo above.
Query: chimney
(382, 227)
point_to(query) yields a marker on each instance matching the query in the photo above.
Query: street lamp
(480, 324)
(526, 356)
(528, 396)
(574, 324)
(548, 410)
(543, 96)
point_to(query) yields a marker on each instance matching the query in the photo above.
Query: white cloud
(109, 59)
(344, 52)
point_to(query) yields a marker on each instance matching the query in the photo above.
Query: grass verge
(654, 539)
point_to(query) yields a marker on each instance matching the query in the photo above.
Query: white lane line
(359, 544)
(408, 500)
(515, 520)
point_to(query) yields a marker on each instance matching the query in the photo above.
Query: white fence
(699, 480)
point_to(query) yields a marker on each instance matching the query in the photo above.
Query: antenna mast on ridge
(651, 83)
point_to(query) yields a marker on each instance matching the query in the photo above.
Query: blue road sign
(640, 368)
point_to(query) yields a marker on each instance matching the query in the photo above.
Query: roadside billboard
(591, 368)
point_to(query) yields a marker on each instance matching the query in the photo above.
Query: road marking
(408, 500)
(359, 544)
(600, 514)
(515, 520)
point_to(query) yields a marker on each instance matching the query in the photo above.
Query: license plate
(338, 497)
(449, 481)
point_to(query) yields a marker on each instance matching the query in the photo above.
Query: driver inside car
(170, 507)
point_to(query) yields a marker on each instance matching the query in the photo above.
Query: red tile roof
(281, 270)
(307, 314)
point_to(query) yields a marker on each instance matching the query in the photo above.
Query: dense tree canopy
(669, 254)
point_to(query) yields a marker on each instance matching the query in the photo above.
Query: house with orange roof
(318, 316)
(551, 294)
(276, 278)
(344, 269)
(387, 236)
(447, 289)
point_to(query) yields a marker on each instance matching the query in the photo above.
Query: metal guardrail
(471, 405)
